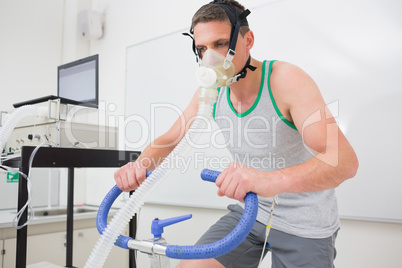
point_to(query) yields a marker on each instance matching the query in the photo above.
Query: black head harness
(237, 19)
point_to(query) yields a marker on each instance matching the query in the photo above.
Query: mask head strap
(237, 19)
(195, 50)
(243, 71)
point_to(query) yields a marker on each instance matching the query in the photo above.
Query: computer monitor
(78, 81)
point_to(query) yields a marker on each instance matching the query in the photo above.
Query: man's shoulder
(285, 74)
(290, 87)
(283, 68)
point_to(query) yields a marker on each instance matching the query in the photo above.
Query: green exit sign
(12, 177)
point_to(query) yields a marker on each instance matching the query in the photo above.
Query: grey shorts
(286, 250)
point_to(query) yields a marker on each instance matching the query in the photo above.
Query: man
(277, 113)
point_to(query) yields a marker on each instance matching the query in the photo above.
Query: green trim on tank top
(214, 110)
(255, 102)
(287, 122)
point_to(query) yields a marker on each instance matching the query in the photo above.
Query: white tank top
(263, 139)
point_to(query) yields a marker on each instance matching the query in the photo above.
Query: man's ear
(249, 36)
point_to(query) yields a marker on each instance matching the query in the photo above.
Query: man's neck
(249, 86)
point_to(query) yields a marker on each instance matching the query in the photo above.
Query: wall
(28, 63)
(37, 33)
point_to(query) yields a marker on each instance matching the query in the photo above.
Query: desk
(70, 158)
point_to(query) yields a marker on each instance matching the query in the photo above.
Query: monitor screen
(78, 81)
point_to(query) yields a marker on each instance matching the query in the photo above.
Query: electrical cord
(28, 204)
(9, 157)
(10, 169)
(268, 229)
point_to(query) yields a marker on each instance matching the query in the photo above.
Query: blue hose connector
(229, 242)
(213, 250)
(101, 218)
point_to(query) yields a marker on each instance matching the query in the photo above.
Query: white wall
(36, 36)
(31, 35)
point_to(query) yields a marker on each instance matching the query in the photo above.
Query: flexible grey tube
(105, 243)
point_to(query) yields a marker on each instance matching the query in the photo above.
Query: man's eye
(222, 44)
(201, 51)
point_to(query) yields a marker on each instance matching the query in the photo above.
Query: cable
(9, 157)
(8, 169)
(268, 229)
(28, 204)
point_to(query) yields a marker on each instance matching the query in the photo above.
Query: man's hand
(235, 181)
(130, 176)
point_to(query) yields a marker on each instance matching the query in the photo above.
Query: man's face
(216, 35)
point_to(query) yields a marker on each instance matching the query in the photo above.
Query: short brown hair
(213, 12)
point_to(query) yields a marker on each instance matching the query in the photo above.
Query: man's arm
(131, 175)
(300, 101)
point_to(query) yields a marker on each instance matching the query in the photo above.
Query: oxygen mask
(215, 71)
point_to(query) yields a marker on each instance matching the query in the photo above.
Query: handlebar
(213, 250)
